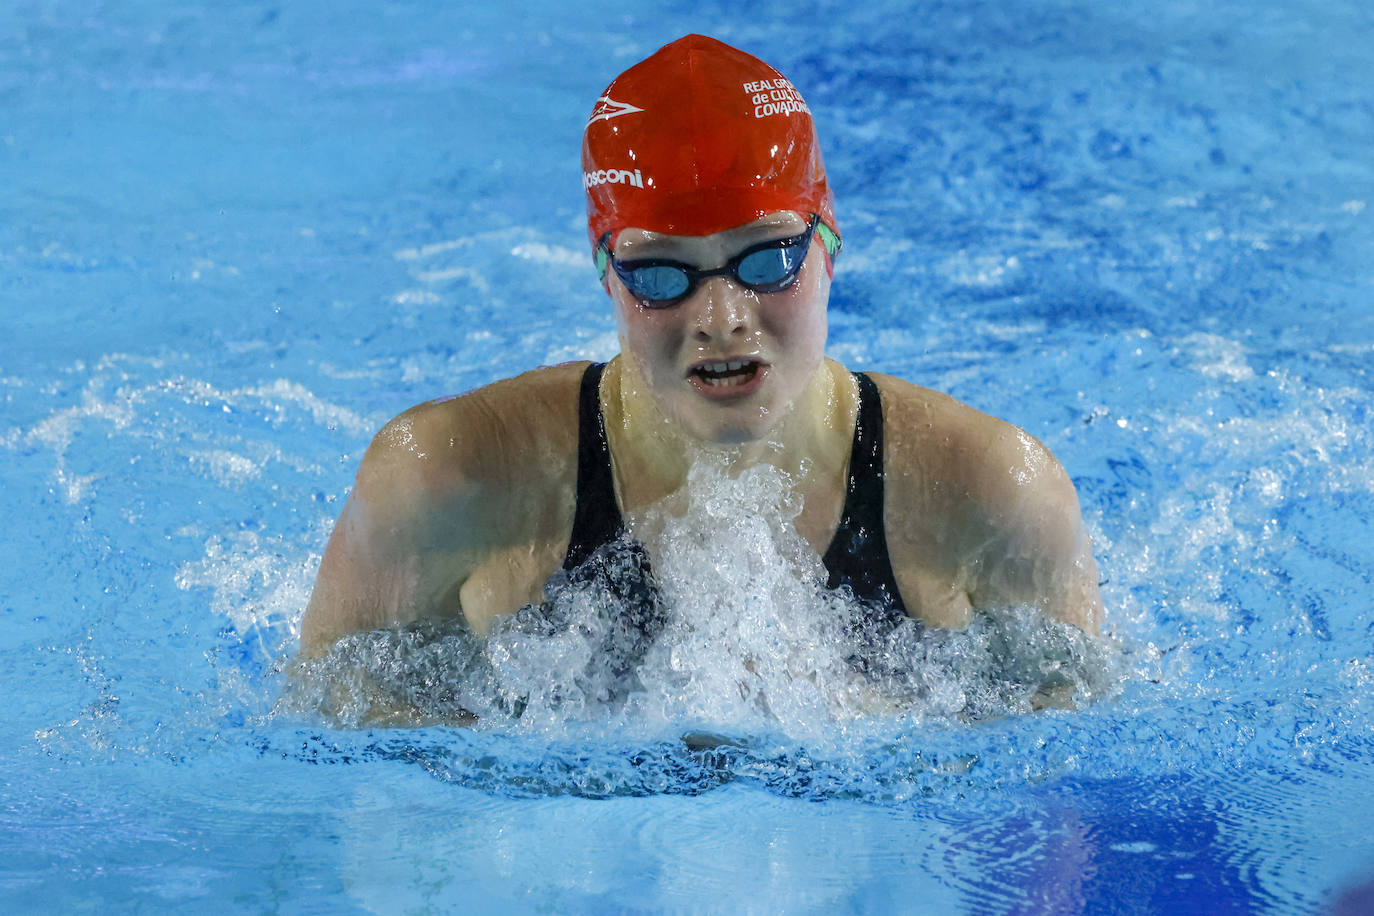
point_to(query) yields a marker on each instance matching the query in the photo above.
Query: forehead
(642, 243)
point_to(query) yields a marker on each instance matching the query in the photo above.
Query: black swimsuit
(857, 556)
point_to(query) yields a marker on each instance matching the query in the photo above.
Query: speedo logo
(607, 108)
(612, 176)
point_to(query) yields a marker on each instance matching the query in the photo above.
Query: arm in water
(980, 515)
(1037, 549)
(460, 507)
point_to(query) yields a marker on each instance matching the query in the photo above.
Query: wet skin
(726, 364)
(464, 506)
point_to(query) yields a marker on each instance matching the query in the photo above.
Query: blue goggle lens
(768, 267)
(771, 265)
(657, 281)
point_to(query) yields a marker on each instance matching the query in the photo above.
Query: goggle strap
(602, 257)
(829, 238)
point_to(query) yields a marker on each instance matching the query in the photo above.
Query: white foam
(446, 274)
(160, 417)
(227, 467)
(553, 255)
(965, 269)
(1218, 357)
(426, 251)
(415, 297)
(258, 583)
(748, 641)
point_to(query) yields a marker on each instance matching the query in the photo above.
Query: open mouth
(734, 373)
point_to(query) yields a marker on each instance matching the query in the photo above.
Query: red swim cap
(699, 138)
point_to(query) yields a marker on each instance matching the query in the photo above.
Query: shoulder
(989, 460)
(517, 429)
(990, 498)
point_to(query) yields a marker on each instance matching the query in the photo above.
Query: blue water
(234, 241)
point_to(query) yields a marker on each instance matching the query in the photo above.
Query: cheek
(645, 336)
(801, 319)
(818, 329)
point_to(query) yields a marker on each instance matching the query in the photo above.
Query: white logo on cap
(612, 176)
(607, 108)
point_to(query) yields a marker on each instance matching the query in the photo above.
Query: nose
(722, 310)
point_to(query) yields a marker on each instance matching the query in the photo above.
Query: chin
(731, 431)
(731, 437)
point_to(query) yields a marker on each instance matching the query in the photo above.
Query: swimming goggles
(767, 267)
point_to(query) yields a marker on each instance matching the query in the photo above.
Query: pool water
(234, 241)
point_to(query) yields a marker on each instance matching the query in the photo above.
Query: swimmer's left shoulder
(977, 453)
(993, 498)
(938, 419)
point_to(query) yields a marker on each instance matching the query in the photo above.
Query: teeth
(733, 365)
(723, 372)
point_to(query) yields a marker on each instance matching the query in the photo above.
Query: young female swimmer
(714, 230)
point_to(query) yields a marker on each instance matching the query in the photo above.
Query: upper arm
(1034, 547)
(378, 567)
(442, 489)
(980, 515)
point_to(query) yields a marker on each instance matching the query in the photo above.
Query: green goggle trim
(602, 257)
(830, 239)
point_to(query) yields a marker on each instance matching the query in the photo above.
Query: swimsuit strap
(596, 520)
(857, 556)
(598, 555)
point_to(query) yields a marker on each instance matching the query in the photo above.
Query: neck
(652, 454)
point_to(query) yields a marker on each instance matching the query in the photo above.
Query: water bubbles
(711, 619)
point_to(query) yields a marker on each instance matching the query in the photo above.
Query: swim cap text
(612, 176)
(774, 97)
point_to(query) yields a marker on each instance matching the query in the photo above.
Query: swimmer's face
(725, 362)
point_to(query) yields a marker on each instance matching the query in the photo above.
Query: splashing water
(736, 635)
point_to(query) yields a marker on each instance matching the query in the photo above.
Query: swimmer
(712, 225)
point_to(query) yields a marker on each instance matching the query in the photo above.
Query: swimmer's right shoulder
(526, 424)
